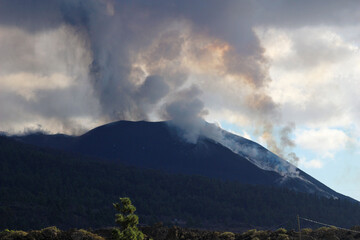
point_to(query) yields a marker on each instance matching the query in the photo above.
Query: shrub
(227, 236)
(281, 231)
(44, 234)
(85, 235)
(306, 231)
(282, 236)
(13, 235)
(250, 232)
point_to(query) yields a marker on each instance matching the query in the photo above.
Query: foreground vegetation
(158, 232)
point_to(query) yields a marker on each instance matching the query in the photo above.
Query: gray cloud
(296, 14)
(32, 15)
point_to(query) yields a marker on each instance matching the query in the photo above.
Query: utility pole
(298, 219)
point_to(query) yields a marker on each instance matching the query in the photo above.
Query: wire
(268, 229)
(328, 225)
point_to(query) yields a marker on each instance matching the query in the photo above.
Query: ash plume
(186, 112)
(288, 144)
(145, 59)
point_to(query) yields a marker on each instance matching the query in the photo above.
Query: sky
(282, 73)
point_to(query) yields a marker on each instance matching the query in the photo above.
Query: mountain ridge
(157, 145)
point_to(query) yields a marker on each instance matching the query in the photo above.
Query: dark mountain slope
(156, 145)
(41, 187)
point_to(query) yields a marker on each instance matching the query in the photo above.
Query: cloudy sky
(283, 73)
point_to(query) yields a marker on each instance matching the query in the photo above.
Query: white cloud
(314, 73)
(324, 141)
(314, 163)
(228, 116)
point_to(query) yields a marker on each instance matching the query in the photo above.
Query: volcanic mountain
(160, 145)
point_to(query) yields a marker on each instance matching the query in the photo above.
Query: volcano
(160, 145)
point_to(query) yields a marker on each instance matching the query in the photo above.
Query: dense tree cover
(40, 188)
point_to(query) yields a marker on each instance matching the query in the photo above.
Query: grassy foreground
(158, 232)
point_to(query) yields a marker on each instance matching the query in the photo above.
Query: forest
(42, 187)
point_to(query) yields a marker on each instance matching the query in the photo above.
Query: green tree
(127, 220)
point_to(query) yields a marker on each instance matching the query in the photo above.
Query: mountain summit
(159, 145)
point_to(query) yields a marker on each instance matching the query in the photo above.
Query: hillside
(158, 145)
(41, 187)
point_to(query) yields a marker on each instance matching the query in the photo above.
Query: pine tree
(127, 220)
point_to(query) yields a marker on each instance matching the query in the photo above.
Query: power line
(266, 229)
(328, 225)
(309, 220)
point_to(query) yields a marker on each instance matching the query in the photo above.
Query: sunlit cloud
(314, 163)
(27, 84)
(324, 142)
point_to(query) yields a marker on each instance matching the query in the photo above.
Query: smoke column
(165, 60)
